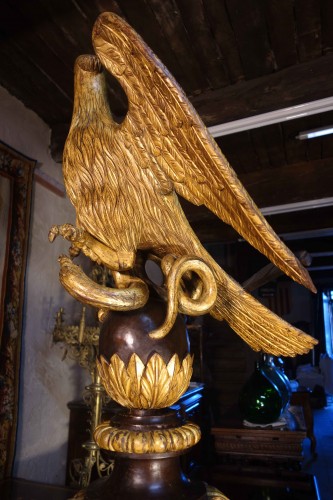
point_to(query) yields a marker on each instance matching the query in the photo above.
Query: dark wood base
(145, 479)
(147, 476)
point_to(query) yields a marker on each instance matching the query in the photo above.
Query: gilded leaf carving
(154, 385)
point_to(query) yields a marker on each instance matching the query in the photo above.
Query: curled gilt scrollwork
(203, 295)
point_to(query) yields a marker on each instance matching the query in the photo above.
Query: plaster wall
(47, 383)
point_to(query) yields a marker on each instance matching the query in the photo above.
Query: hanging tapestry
(15, 195)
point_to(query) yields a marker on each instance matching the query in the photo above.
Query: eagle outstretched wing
(168, 137)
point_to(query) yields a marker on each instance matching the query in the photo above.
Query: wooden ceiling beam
(292, 183)
(215, 231)
(268, 93)
(279, 186)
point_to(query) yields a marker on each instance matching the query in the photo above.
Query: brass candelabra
(81, 343)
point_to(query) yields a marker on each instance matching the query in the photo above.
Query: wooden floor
(21, 489)
(322, 465)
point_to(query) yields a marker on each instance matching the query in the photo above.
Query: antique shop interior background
(292, 181)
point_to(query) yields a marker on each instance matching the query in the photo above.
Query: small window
(328, 320)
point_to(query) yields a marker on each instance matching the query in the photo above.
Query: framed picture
(16, 173)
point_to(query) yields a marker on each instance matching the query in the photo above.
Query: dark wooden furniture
(264, 445)
(190, 405)
(255, 463)
(302, 398)
(21, 489)
(233, 440)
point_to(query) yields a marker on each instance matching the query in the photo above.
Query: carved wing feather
(259, 327)
(173, 142)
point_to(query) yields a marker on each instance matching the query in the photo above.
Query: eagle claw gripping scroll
(123, 180)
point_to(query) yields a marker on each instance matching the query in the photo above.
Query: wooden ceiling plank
(308, 27)
(43, 58)
(15, 69)
(327, 147)
(75, 24)
(260, 149)
(325, 142)
(270, 92)
(279, 17)
(20, 39)
(71, 23)
(290, 183)
(324, 244)
(215, 231)
(268, 144)
(42, 25)
(310, 149)
(170, 23)
(313, 147)
(306, 220)
(326, 25)
(204, 46)
(142, 19)
(239, 151)
(248, 23)
(109, 6)
(93, 8)
(225, 38)
(12, 22)
(295, 149)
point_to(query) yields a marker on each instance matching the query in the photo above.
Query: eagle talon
(68, 232)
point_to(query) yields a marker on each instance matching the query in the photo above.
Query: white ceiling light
(311, 233)
(278, 116)
(297, 207)
(316, 132)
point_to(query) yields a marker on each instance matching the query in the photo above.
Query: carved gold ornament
(214, 493)
(123, 180)
(133, 294)
(154, 385)
(154, 441)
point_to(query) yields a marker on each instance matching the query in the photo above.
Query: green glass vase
(276, 375)
(260, 400)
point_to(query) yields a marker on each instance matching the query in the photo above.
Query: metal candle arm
(81, 344)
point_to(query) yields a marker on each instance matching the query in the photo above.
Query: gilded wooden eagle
(123, 180)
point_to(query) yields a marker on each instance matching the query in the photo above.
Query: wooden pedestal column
(148, 475)
(145, 376)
